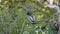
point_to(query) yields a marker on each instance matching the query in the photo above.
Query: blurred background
(14, 18)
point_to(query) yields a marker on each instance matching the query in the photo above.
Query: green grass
(23, 25)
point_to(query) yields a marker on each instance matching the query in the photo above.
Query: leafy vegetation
(13, 17)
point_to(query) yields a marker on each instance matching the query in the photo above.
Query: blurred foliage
(13, 18)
